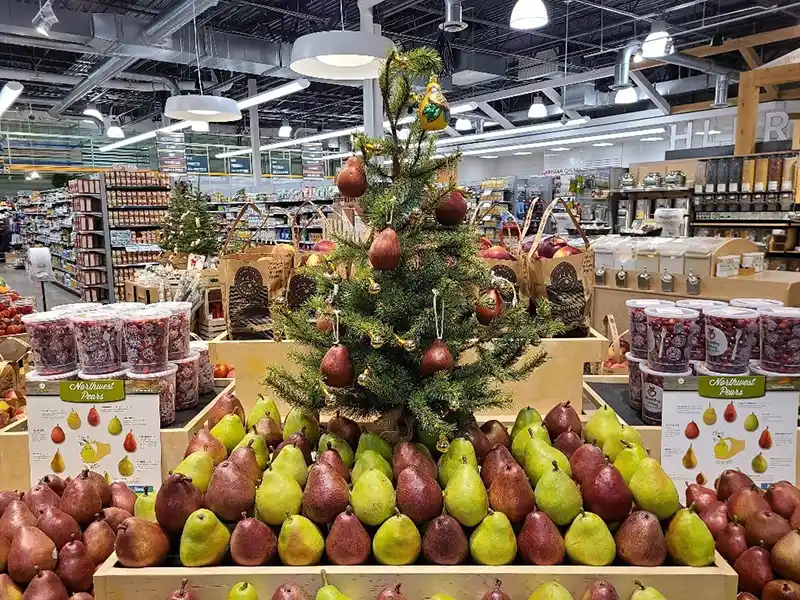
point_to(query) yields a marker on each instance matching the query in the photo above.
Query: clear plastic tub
(755, 303)
(179, 328)
(756, 368)
(166, 391)
(146, 339)
(78, 306)
(121, 374)
(701, 368)
(52, 339)
(698, 341)
(34, 376)
(205, 371)
(124, 308)
(653, 392)
(731, 335)
(186, 379)
(637, 323)
(669, 333)
(635, 381)
(780, 339)
(98, 337)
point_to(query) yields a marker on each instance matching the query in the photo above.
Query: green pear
(628, 460)
(372, 441)
(452, 459)
(278, 495)
(689, 542)
(230, 431)
(589, 542)
(372, 497)
(602, 425)
(646, 593)
(259, 447)
(551, 591)
(653, 490)
(525, 418)
(262, 408)
(198, 466)
(329, 591)
(397, 541)
(334, 442)
(243, 591)
(296, 420)
(465, 496)
(145, 506)
(300, 543)
(370, 460)
(613, 445)
(291, 462)
(539, 460)
(493, 542)
(751, 422)
(558, 496)
(519, 444)
(428, 439)
(204, 541)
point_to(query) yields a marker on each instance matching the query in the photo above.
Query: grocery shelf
(123, 227)
(742, 224)
(138, 206)
(141, 188)
(66, 287)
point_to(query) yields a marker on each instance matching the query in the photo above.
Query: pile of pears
(54, 535)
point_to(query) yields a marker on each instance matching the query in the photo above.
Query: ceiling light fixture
(637, 56)
(9, 95)
(285, 130)
(658, 42)
(503, 133)
(44, 20)
(463, 125)
(528, 14)
(652, 138)
(114, 131)
(714, 132)
(603, 144)
(200, 127)
(523, 153)
(537, 110)
(199, 107)
(278, 92)
(559, 149)
(357, 54)
(91, 111)
(146, 136)
(33, 175)
(627, 95)
(489, 156)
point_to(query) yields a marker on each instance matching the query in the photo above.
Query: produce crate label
(92, 391)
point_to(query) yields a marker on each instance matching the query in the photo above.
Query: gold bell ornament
(433, 111)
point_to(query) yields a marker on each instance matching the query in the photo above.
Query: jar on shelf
(731, 335)
(186, 380)
(205, 370)
(698, 341)
(780, 339)
(637, 322)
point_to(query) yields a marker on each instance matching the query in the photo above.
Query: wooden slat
(706, 104)
(746, 114)
(775, 75)
(753, 62)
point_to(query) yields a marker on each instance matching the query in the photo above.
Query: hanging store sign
(171, 150)
(313, 164)
(280, 166)
(240, 165)
(196, 163)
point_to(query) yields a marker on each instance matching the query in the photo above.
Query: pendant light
(627, 95)
(285, 130)
(537, 110)
(91, 111)
(200, 126)
(658, 42)
(114, 131)
(9, 95)
(463, 124)
(528, 14)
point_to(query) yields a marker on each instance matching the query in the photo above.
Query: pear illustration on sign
(93, 451)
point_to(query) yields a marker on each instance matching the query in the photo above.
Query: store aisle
(18, 280)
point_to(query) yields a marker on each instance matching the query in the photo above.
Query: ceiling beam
(495, 116)
(556, 99)
(650, 91)
(753, 62)
(706, 105)
(450, 130)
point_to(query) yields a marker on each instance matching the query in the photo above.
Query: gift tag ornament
(489, 307)
(384, 253)
(352, 178)
(452, 210)
(337, 368)
(434, 111)
(437, 357)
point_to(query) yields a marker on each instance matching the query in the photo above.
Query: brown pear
(289, 591)
(745, 502)
(419, 496)
(30, 549)
(754, 570)
(479, 441)
(765, 528)
(585, 460)
(182, 593)
(495, 464)
(560, 418)
(795, 520)
(497, 433)
(496, 593)
(6, 498)
(732, 542)
(700, 496)
(786, 556)
(227, 404)
(781, 589)
(640, 540)
(331, 458)
(101, 486)
(348, 543)
(600, 590)
(245, 460)
(122, 496)
(115, 516)
(82, 596)
(75, 568)
(391, 593)
(299, 439)
(40, 496)
(54, 482)
(715, 516)
(58, 526)
(178, 498)
(15, 516)
(511, 494)
(270, 430)
(141, 543)
(784, 498)
(606, 494)
(203, 440)
(253, 543)
(8, 589)
(345, 428)
(99, 540)
(730, 481)
(5, 549)
(46, 585)
(745, 596)
(444, 542)
(80, 499)
(568, 442)
(539, 541)
(230, 493)
(407, 454)
(326, 494)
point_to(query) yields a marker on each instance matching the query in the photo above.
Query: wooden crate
(558, 380)
(465, 582)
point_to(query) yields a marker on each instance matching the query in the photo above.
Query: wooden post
(746, 114)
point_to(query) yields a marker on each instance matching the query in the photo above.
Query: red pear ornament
(489, 307)
(352, 178)
(452, 209)
(384, 253)
(337, 368)
(437, 357)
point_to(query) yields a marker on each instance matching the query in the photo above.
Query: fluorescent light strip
(146, 136)
(517, 131)
(278, 92)
(9, 95)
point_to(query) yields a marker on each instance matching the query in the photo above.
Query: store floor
(17, 279)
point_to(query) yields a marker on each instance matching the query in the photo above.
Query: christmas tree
(390, 340)
(189, 227)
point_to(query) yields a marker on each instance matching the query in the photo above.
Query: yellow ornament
(434, 111)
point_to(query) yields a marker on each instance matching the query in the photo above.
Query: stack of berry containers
(697, 351)
(186, 382)
(146, 334)
(76, 307)
(123, 308)
(731, 336)
(98, 337)
(205, 372)
(755, 304)
(635, 381)
(166, 391)
(780, 340)
(638, 323)
(179, 328)
(52, 339)
(669, 338)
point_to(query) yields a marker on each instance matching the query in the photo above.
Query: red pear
(99, 539)
(584, 461)
(46, 585)
(783, 498)
(75, 568)
(6, 498)
(692, 430)
(745, 502)
(336, 367)
(511, 494)
(452, 209)
(715, 516)
(81, 500)
(58, 526)
(40, 496)
(765, 528)
(497, 593)
(183, 593)
(384, 252)
(30, 550)
(730, 413)
(568, 442)
(539, 541)
(418, 495)
(700, 496)
(497, 433)
(730, 481)
(176, 500)
(606, 494)
(15, 516)
(437, 358)
(253, 543)
(495, 463)
(754, 570)
(562, 417)
(54, 482)
(732, 541)
(408, 454)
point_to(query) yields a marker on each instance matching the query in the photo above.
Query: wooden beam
(775, 75)
(753, 62)
(795, 134)
(706, 104)
(746, 114)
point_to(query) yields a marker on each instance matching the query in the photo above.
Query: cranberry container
(98, 337)
(205, 372)
(166, 391)
(731, 335)
(638, 323)
(698, 345)
(121, 374)
(635, 381)
(780, 339)
(123, 308)
(146, 339)
(756, 368)
(52, 339)
(669, 337)
(653, 392)
(186, 382)
(179, 328)
(34, 376)
(755, 304)
(76, 306)
(701, 369)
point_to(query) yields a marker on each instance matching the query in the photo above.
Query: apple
(220, 370)
(313, 260)
(485, 243)
(549, 246)
(232, 374)
(566, 251)
(496, 253)
(324, 246)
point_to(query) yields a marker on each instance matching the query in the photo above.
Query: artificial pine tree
(189, 227)
(390, 340)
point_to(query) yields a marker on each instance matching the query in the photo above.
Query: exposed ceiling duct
(145, 83)
(699, 64)
(471, 68)
(622, 68)
(721, 92)
(453, 17)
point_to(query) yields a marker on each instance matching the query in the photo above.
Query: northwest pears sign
(734, 386)
(92, 391)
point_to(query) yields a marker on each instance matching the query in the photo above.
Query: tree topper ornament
(434, 111)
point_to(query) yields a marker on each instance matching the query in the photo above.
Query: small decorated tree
(189, 227)
(419, 334)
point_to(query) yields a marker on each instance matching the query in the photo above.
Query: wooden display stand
(463, 582)
(558, 380)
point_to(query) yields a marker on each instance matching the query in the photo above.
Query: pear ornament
(336, 366)
(352, 178)
(384, 252)
(437, 357)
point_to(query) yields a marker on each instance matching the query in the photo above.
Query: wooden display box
(136, 292)
(465, 582)
(558, 380)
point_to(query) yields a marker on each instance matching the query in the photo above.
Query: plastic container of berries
(653, 392)
(638, 323)
(166, 391)
(77, 306)
(98, 337)
(122, 374)
(179, 328)
(635, 381)
(755, 304)
(124, 308)
(205, 371)
(698, 346)
(186, 380)
(669, 337)
(34, 376)
(146, 339)
(24, 306)
(780, 339)
(731, 336)
(52, 339)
